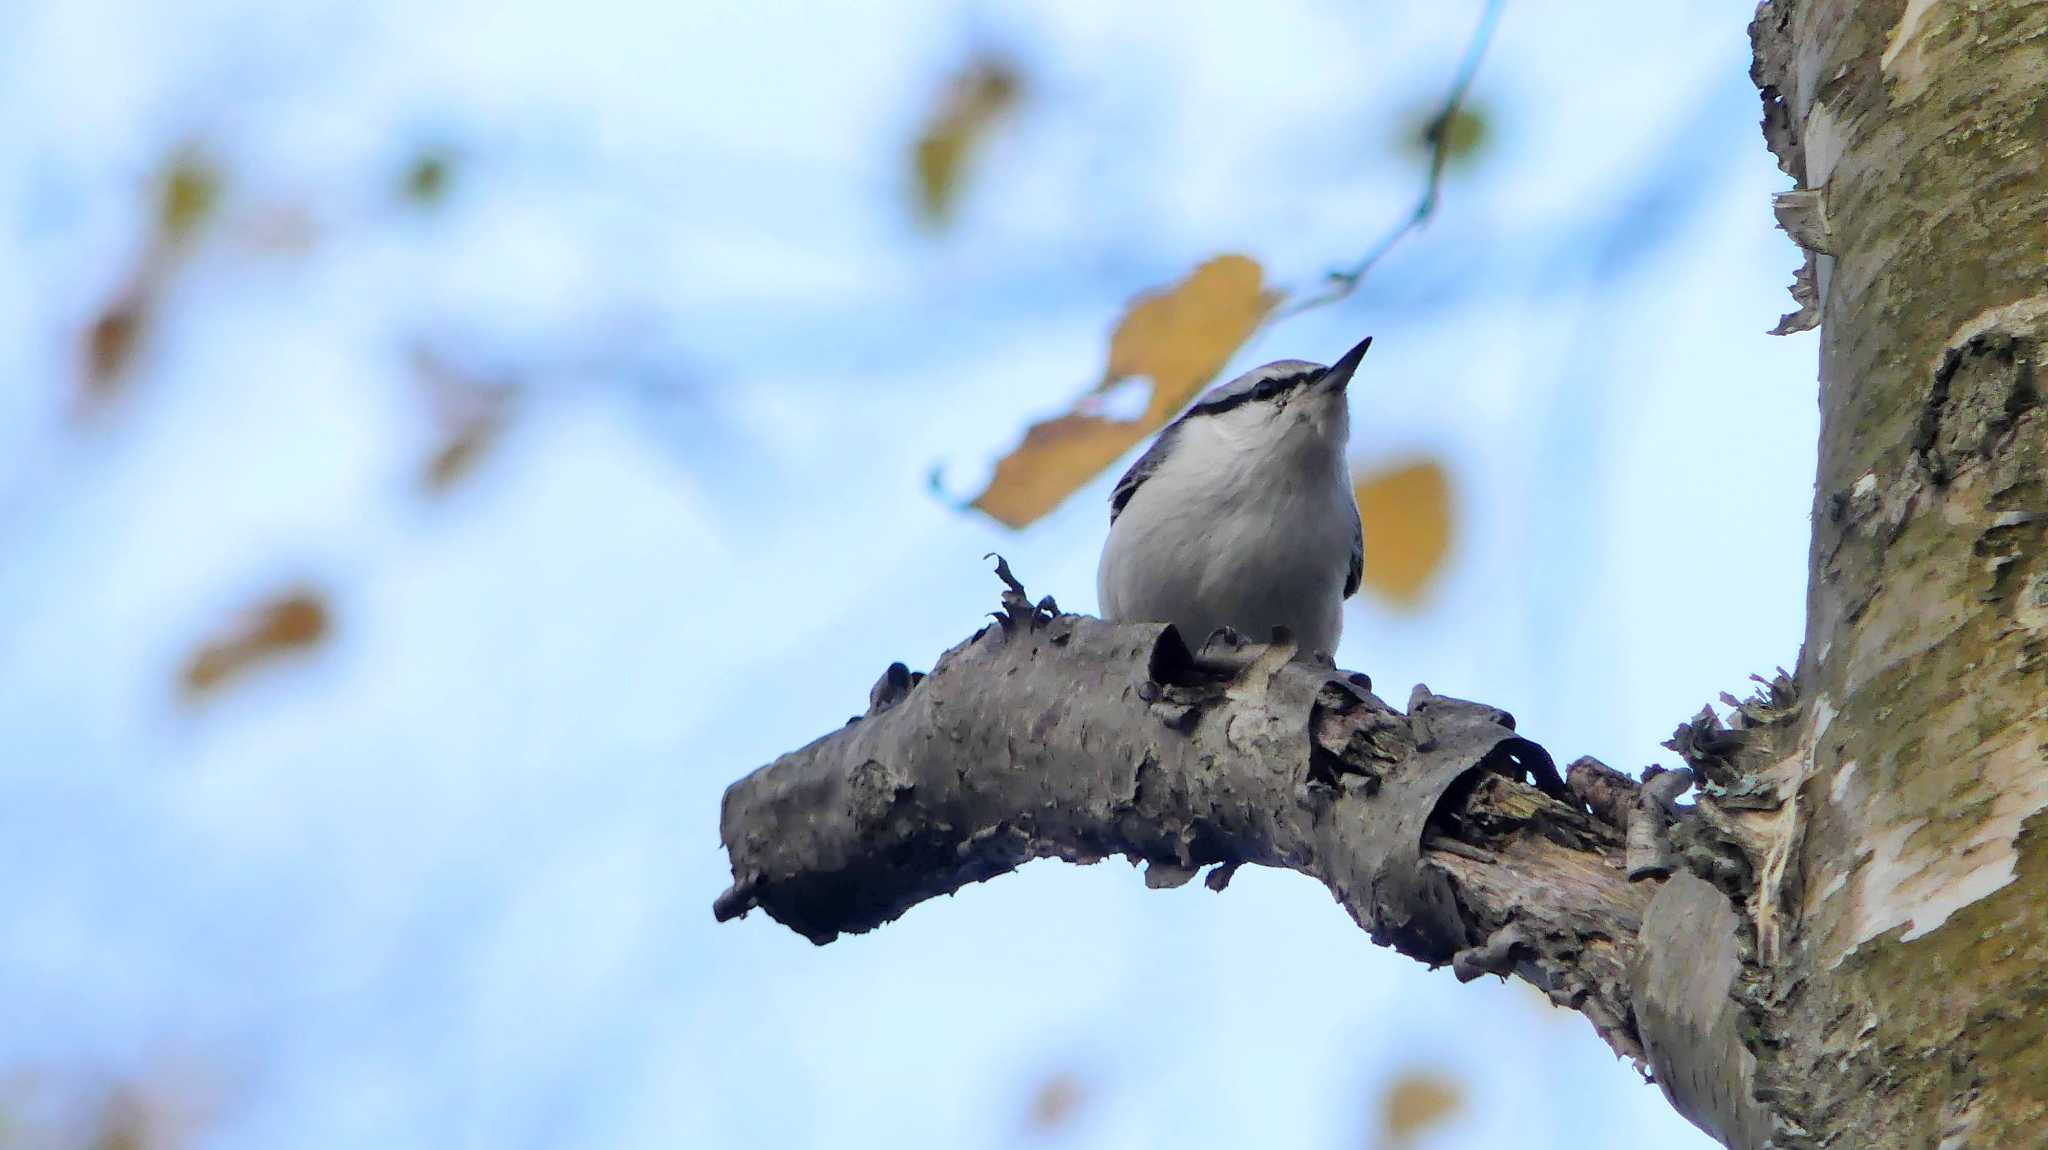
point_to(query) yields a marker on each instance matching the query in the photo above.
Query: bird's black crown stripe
(1266, 389)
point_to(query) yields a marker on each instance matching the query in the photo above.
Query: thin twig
(1341, 282)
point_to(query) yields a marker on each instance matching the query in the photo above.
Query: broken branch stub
(1062, 736)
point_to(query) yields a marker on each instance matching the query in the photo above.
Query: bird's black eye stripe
(1272, 387)
(1264, 389)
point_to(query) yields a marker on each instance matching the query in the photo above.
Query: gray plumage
(1241, 513)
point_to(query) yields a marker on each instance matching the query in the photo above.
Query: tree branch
(1341, 282)
(1446, 836)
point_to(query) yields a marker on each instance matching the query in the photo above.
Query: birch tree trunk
(1905, 971)
(1843, 941)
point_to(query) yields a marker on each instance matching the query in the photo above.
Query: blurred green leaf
(1464, 134)
(188, 195)
(974, 101)
(428, 176)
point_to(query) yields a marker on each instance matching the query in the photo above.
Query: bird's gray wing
(1142, 470)
(1357, 572)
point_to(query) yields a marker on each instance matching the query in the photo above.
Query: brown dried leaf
(1054, 1103)
(110, 343)
(125, 1124)
(472, 412)
(50, 1107)
(294, 621)
(985, 89)
(1414, 1102)
(1407, 515)
(1179, 338)
(458, 455)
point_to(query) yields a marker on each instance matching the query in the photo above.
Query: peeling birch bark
(1894, 967)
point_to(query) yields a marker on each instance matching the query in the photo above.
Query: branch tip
(737, 900)
(1342, 282)
(1167, 876)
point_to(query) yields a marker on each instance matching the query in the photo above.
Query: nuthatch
(1241, 514)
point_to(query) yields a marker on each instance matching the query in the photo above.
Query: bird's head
(1286, 400)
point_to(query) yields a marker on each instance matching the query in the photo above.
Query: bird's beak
(1339, 373)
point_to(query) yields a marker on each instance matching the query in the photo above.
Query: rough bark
(1897, 988)
(1843, 941)
(1445, 834)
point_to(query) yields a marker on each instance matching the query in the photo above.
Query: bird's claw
(1223, 637)
(1017, 604)
(892, 688)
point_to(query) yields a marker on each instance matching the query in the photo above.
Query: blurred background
(442, 445)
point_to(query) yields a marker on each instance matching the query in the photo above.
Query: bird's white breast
(1238, 529)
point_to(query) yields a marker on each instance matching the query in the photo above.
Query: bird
(1240, 515)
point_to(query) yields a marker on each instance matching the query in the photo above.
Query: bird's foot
(892, 688)
(1017, 604)
(1228, 650)
(1226, 636)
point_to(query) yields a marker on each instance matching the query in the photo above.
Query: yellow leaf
(1414, 1102)
(1054, 459)
(1407, 514)
(1178, 338)
(427, 177)
(977, 97)
(294, 621)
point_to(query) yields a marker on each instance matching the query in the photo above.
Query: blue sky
(447, 880)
